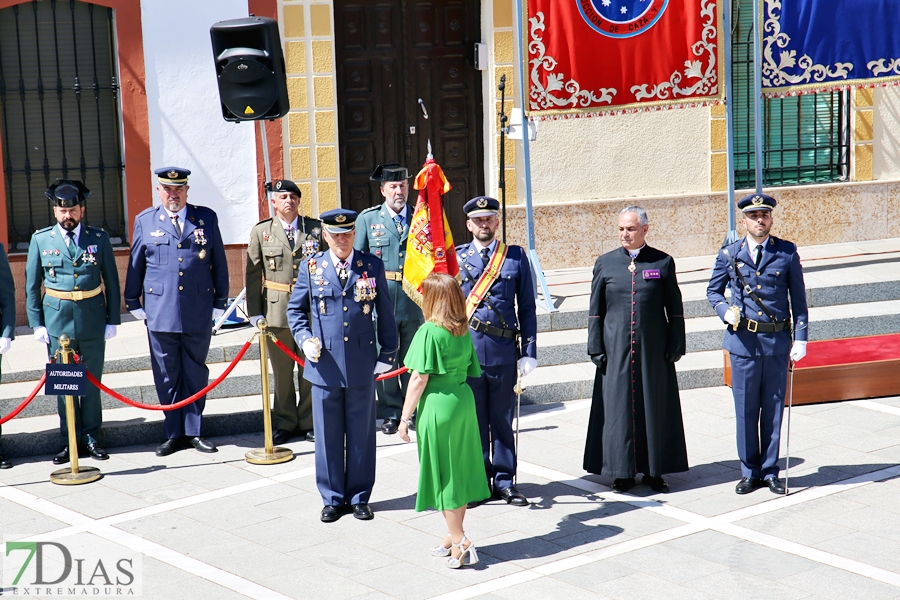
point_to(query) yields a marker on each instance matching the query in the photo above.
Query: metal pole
(268, 455)
(540, 282)
(73, 474)
(502, 181)
(732, 234)
(518, 390)
(757, 95)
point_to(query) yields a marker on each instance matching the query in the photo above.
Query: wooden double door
(398, 61)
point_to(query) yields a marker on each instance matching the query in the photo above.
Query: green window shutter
(806, 137)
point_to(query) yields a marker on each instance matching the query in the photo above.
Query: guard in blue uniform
(7, 317)
(504, 330)
(383, 230)
(71, 260)
(331, 314)
(767, 290)
(178, 281)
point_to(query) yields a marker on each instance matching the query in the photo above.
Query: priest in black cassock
(635, 337)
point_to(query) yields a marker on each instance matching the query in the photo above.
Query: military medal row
(364, 291)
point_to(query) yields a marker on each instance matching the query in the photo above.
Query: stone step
(706, 333)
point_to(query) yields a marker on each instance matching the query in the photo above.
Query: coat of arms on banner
(588, 57)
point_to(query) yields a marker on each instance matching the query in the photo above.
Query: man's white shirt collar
(76, 231)
(751, 246)
(634, 253)
(479, 246)
(394, 213)
(181, 213)
(291, 224)
(336, 260)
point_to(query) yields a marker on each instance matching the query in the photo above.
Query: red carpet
(851, 350)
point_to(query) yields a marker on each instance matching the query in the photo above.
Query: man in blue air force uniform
(7, 317)
(383, 231)
(178, 281)
(764, 273)
(331, 315)
(71, 260)
(504, 331)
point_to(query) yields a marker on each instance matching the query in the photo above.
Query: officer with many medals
(277, 247)
(497, 281)
(764, 273)
(383, 230)
(71, 260)
(331, 314)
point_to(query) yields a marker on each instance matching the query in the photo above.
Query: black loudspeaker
(250, 69)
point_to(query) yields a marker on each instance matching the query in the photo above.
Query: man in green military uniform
(383, 231)
(7, 316)
(277, 247)
(71, 260)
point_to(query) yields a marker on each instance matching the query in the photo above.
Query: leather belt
(757, 327)
(279, 287)
(393, 275)
(482, 327)
(74, 296)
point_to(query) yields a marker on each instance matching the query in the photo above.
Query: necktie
(289, 232)
(342, 271)
(71, 243)
(177, 226)
(485, 255)
(398, 221)
(758, 255)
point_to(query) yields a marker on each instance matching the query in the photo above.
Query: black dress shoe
(330, 514)
(4, 464)
(169, 447)
(201, 445)
(362, 512)
(96, 451)
(776, 486)
(512, 496)
(282, 436)
(63, 457)
(657, 484)
(389, 427)
(747, 485)
(310, 436)
(622, 485)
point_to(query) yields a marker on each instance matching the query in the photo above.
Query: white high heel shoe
(468, 555)
(440, 550)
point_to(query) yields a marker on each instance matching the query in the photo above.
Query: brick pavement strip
(253, 532)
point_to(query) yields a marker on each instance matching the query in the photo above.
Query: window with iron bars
(59, 113)
(806, 138)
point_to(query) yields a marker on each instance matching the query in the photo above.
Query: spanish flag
(430, 244)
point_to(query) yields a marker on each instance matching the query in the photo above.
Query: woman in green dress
(451, 465)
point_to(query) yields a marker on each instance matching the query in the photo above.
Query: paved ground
(214, 526)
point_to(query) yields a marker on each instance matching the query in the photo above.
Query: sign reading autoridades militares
(66, 380)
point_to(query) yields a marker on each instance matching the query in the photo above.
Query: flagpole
(757, 93)
(732, 234)
(540, 282)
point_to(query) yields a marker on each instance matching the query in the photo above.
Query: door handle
(422, 105)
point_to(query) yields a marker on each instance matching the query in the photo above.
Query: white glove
(798, 351)
(5, 343)
(110, 332)
(40, 335)
(730, 318)
(382, 367)
(255, 319)
(218, 312)
(527, 365)
(138, 314)
(310, 350)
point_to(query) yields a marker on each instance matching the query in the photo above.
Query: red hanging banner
(589, 57)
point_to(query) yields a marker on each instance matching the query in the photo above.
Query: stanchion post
(268, 455)
(72, 475)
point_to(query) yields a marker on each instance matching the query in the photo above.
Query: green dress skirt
(451, 464)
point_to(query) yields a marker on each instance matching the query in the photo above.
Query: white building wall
(887, 134)
(186, 125)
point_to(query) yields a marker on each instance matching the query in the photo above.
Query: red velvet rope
(302, 363)
(182, 403)
(25, 402)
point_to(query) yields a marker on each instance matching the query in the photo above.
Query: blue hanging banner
(815, 45)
